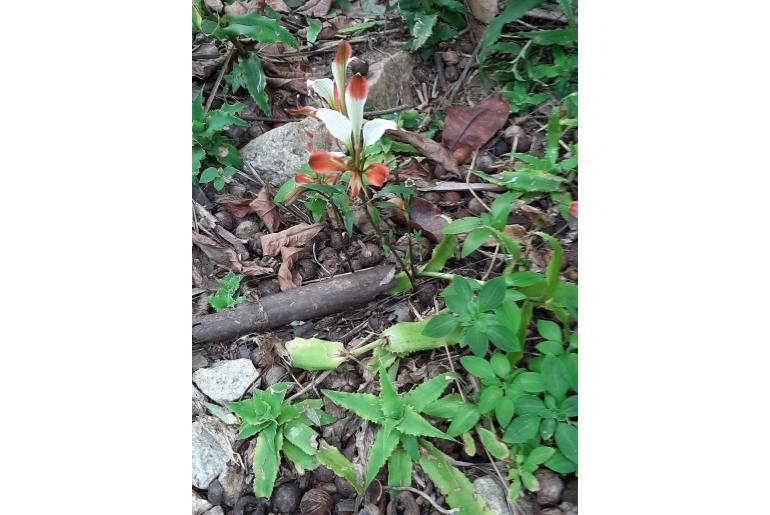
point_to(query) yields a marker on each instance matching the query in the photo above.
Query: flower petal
(337, 123)
(324, 88)
(355, 185)
(355, 98)
(374, 130)
(376, 174)
(324, 162)
(306, 110)
(302, 178)
(340, 64)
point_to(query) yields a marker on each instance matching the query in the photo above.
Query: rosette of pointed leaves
(286, 428)
(396, 443)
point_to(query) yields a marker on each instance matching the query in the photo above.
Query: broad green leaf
(549, 330)
(422, 28)
(567, 439)
(504, 411)
(474, 240)
(392, 406)
(428, 391)
(251, 74)
(569, 10)
(330, 457)
(570, 406)
(560, 37)
(223, 117)
(302, 436)
(415, 425)
(463, 422)
(491, 443)
(456, 302)
(537, 457)
(489, 398)
(266, 462)
(469, 444)
(550, 347)
(209, 174)
(457, 488)
(570, 361)
(500, 365)
(521, 279)
(503, 337)
(529, 481)
(365, 405)
(462, 225)
(554, 376)
(492, 294)
(313, 29)
(399, 469)
(284, 190)
(547, 427)
(559, 463)
(441, 254)
(448, 407)
(384, 444)
(502, 207)
(198, 154)
(509, 314)
(522, 429)
(440, 325)
(302, 461)
(259, 28)
(479, 367)
(315, 354)
(477, 341)
(512, 12)
(197, 108)
(530, 382)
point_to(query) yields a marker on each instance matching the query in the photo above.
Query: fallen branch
(313, 300)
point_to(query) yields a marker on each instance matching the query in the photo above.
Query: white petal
(374, 130)
(337, 123)
(325, 88)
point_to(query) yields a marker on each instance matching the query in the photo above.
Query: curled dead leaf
(288, 279)
(470, 127)
(295, 236)
(226, 257)
(266, 210)
(425, 217)
(238, 207)
(278, 6)
(413, 169)
(316, 8)
(429, 148)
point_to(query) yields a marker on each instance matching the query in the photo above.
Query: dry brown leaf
(203, 68)
(316, 8)
(278, 6)
(240, 8)
(467, 128)
(483, 10)
(266, 210)
(295, 236)
(414, 170)
(296, 85)
(226, 257)
(214, 5)
(238, 207)
(515, 232)
(429, 148)
(425, 217)
(287, 279)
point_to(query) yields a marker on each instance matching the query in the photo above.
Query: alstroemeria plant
(344, 118)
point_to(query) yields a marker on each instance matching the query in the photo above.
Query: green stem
(365, 348)
(340, 224)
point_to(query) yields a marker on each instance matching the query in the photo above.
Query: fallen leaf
(203, 68)
(414, 170)
(289, 84)
(295, 236)
(429, 148)
(483, 10)
(266, 210)
(287, 279)
(425, 217)
(278, 6)
(226, 257)
(238, 207)
(214, 5)
(467, 128)
(316, 8)
(240, 8)
(515, 232)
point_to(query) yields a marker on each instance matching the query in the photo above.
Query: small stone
(450, 57)
(199, 360)
(451, 73)
(287, 497)
(570, 493)
(403, 313)
(551, 511)
(226, 381)
(236, 189)
(268, 287)
(501, 147)
(475, 206)
(484, 162)
(199, 504)
(488, 489)
(273, 375)
(426, 292)
(344, 488)
(388, 79)
(246, 230)
(569, 508)
(307, 269)
(232, 484)
(211, 450)
(451, 197)
(323, 475)
(432, 196)
(198, 399)
(551, 487)
(316, 502)
(216, 510)
(525, 505)
(215, 493)
(225, 219)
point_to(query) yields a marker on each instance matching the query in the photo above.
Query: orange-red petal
(376, 174)
(573, 209)
(324, 162)
(302, 178)
(344, 52)
(358, 87)
(306, 110)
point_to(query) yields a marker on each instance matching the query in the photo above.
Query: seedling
(209, 145)
(225, 296)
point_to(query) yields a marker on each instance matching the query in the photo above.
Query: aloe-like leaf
(415, 425)
(302, 436)
(312, 409)
(554, 266)
(259, 28)
(251, 410)
(221, 414)
(428, 391)
(443, 252)
(248, 430)
(448, 407)
(384, 444)
(406, 337)
(365, 405)
(462, 225)
(331, 458)
(315, 354)
(399, 469)
(491, 443)
(266, 462)
(391, 404)
(457, 489)
(422, 28)
(302, 461)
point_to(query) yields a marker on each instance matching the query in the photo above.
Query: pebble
(216, 510)
(199, 504)
(273, 375)
(570, 493)
(343, 487)
(316, 502)
(246, 230)
(211, 450)
(226, 380)
(268, 287)
(232, 483)
(451, 73)
(215, 493)
(488, 489)
(551, 487)
(286, 498)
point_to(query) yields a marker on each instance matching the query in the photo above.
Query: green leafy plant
(525, 460)
(286, 428)
(432, 21)
(209, 146)
(227, 289)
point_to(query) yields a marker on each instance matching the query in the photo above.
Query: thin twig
(218, 81)
(426, 497)
(312, 384)
(468, 181)
(455, 87)
(491, 263)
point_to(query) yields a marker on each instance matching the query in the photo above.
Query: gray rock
(569, 508)
(525, 505)
(273, 375)
(199, 504)
(490, 490)
(571, 491)
(246, 230)
(388, 80)
(277, 154)
(226, 381)
(286, 498)
(198, 399)
(211, 450)
(551, 487)
(199, 360)
(551, 511)
(216, 510)
(233, 483)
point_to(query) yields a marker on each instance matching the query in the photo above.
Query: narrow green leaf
(462, 225)
(330, 457)
(422, 28)
(457, 489)
(391, 404)
(365, 405)
(561, 37)
(302, 436)
(413, 424)
(302, 461)
(554, 266)
(428, 391)
(384, 444)
(252, 76)
(266, 462)
(502, 207)
(399, 469)
(474, 240)
(512, 12)
(441, 254)
(259, 28)
(491, 443)
(313, 29)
